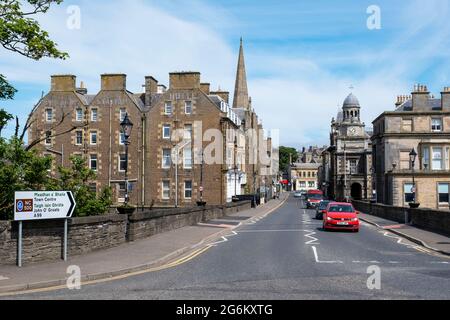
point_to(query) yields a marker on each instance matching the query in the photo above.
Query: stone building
(69, 122)
(346, 163)
(304, 176)
(173, 154)
(420, 122)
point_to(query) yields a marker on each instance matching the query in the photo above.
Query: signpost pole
(65, 239)
(19, 254)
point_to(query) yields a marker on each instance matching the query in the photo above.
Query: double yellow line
(172, 264)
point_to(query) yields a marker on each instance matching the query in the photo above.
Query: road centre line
(3, 278)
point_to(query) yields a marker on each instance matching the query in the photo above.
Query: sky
(302, 57)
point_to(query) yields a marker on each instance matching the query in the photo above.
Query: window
(408, 192)
(443, 190)
(94, 115)
(188, 131)
(407, 125)
(93, 138)
(168, 108)
(93, 162)
(166, 131)
(426, 158)
(121, 138)
(302, 184)
(188, 107)
(405, 163)
(187, 158)
(122, 162)
(49, 115)
(123, 113)
(188, 189)
(48, 138)
(437, 158)
(353, 166)
(49, 156)
(79, 114)
(436, 124)
(167, 159)
(166, 189)
(311, 184)
(79, 138)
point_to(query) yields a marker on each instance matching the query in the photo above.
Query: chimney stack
(420, 98)
(63, 83)
(151, 87)
(82, 89)
(205, 87)
(112, 82)
(184, 80)
(445, 99)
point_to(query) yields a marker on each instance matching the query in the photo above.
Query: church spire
(241, 90)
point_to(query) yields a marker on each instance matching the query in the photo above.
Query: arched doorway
(356, 191)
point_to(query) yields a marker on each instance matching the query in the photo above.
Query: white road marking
(275, 230)
(316, 256)
(218, 242)
(310, 235)
(440, 262)
(3, 278)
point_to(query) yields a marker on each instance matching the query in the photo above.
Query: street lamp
(412, 159)
(126, 126)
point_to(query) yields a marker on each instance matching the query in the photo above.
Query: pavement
(156, 252)
(430, 240)
(284, 255)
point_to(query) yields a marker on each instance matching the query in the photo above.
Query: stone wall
(428, 219)
(146, 224)
(43, 240)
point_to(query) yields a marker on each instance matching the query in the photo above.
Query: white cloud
(297, 92)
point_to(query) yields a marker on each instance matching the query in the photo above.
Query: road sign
(43, 205)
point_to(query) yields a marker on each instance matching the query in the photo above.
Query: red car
(341, 216)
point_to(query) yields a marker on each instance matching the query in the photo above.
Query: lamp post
(412, 159)
(126, 126)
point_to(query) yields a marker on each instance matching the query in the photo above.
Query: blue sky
(301, 56)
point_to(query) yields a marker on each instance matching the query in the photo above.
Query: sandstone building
(172, 159)
(347, 162)
(420, 122)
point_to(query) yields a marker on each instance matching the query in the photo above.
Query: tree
(77, 178)
(19, 33)
(19, 170)
(285, 156)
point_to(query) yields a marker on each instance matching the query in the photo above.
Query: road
(286, 256)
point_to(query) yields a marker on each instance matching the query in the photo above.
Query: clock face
(352, 131)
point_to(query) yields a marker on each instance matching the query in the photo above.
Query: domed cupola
(351, 108)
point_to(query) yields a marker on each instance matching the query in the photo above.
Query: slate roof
(433, 104)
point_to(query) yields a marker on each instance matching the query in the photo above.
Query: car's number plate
(343, 223)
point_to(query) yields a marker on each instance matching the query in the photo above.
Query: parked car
(298, 194)
(322, 209)
(313, 200)
(341, 216)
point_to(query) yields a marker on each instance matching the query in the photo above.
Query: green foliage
(5, 117)
(77, 179)
(285, 153)
(23, 35)
(20, 170)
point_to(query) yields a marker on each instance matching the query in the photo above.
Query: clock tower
(350, 153)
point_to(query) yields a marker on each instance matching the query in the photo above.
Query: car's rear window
(324, 204)
(341, 209)
(315, 196)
